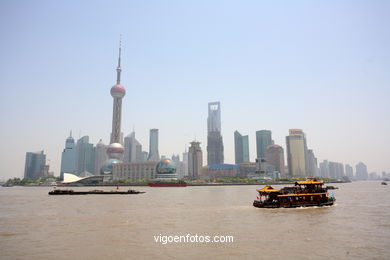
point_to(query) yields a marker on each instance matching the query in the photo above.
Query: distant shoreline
(188, 184)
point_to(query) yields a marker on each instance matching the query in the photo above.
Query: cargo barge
(99, 192)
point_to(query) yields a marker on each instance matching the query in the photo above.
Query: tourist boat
(72, 192)
(307, 193)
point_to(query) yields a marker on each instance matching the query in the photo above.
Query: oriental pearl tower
(115, 149)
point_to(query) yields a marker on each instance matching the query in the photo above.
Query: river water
(34, 225)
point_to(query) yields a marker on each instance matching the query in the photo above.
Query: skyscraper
(324, 169)
(100, 156)
(115, 149)
(214, 137)
(153, 146)
(35, 166)
(312, 168)
(274, 155)
(85, 157)
(296, 153)
(68, 157)
(195, 160)
(241, 148)
(361, 171)
(133, 149)
(263, 139)
(349, 171)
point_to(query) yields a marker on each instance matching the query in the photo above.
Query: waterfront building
(133, 149)
(263, 140)
(100, 156)
(361, 171)
(35, 165)
(274, 155)
(68, 157)
(153, 146)
(296, 153)
(214, 137)
(247, 169)
(223, 170)
(349, 171)
(241, 148)
(85, 157)
(166, 170)
(195, 160)
(134, 171)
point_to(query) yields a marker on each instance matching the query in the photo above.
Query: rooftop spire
(119, 69)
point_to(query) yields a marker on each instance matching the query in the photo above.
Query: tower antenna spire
(119, 69)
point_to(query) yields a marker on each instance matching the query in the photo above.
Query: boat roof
(268, 189)
(309, 181)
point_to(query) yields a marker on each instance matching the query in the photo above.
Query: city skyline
(336, 91)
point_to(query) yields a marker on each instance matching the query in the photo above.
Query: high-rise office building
(185, 163)
(133, 149)
(35, 166)
(361, 171)
(195, 160)
(263, 140)
(241, 148)
(153, 146)
(324, 169)
(336, 170)
(214, 137)
(349, 171)
(274, 155)
(100, 156)
(68, 157)
(312, 166)
(85, 157)
(296, 153)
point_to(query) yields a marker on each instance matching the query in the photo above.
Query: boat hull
(259, 204)
(167, 184)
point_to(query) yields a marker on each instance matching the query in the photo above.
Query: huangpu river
(34, 225)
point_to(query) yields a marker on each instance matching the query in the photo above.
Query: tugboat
(307, 193)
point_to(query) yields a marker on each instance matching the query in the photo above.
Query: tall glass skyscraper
(133, 149)
(263, 139)
(214, 137)
(35, 165)
(296, 153)
(85, 160)
(68, 157)
(241, 148)
(153, 146)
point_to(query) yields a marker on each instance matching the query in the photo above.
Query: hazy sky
(323, 66)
